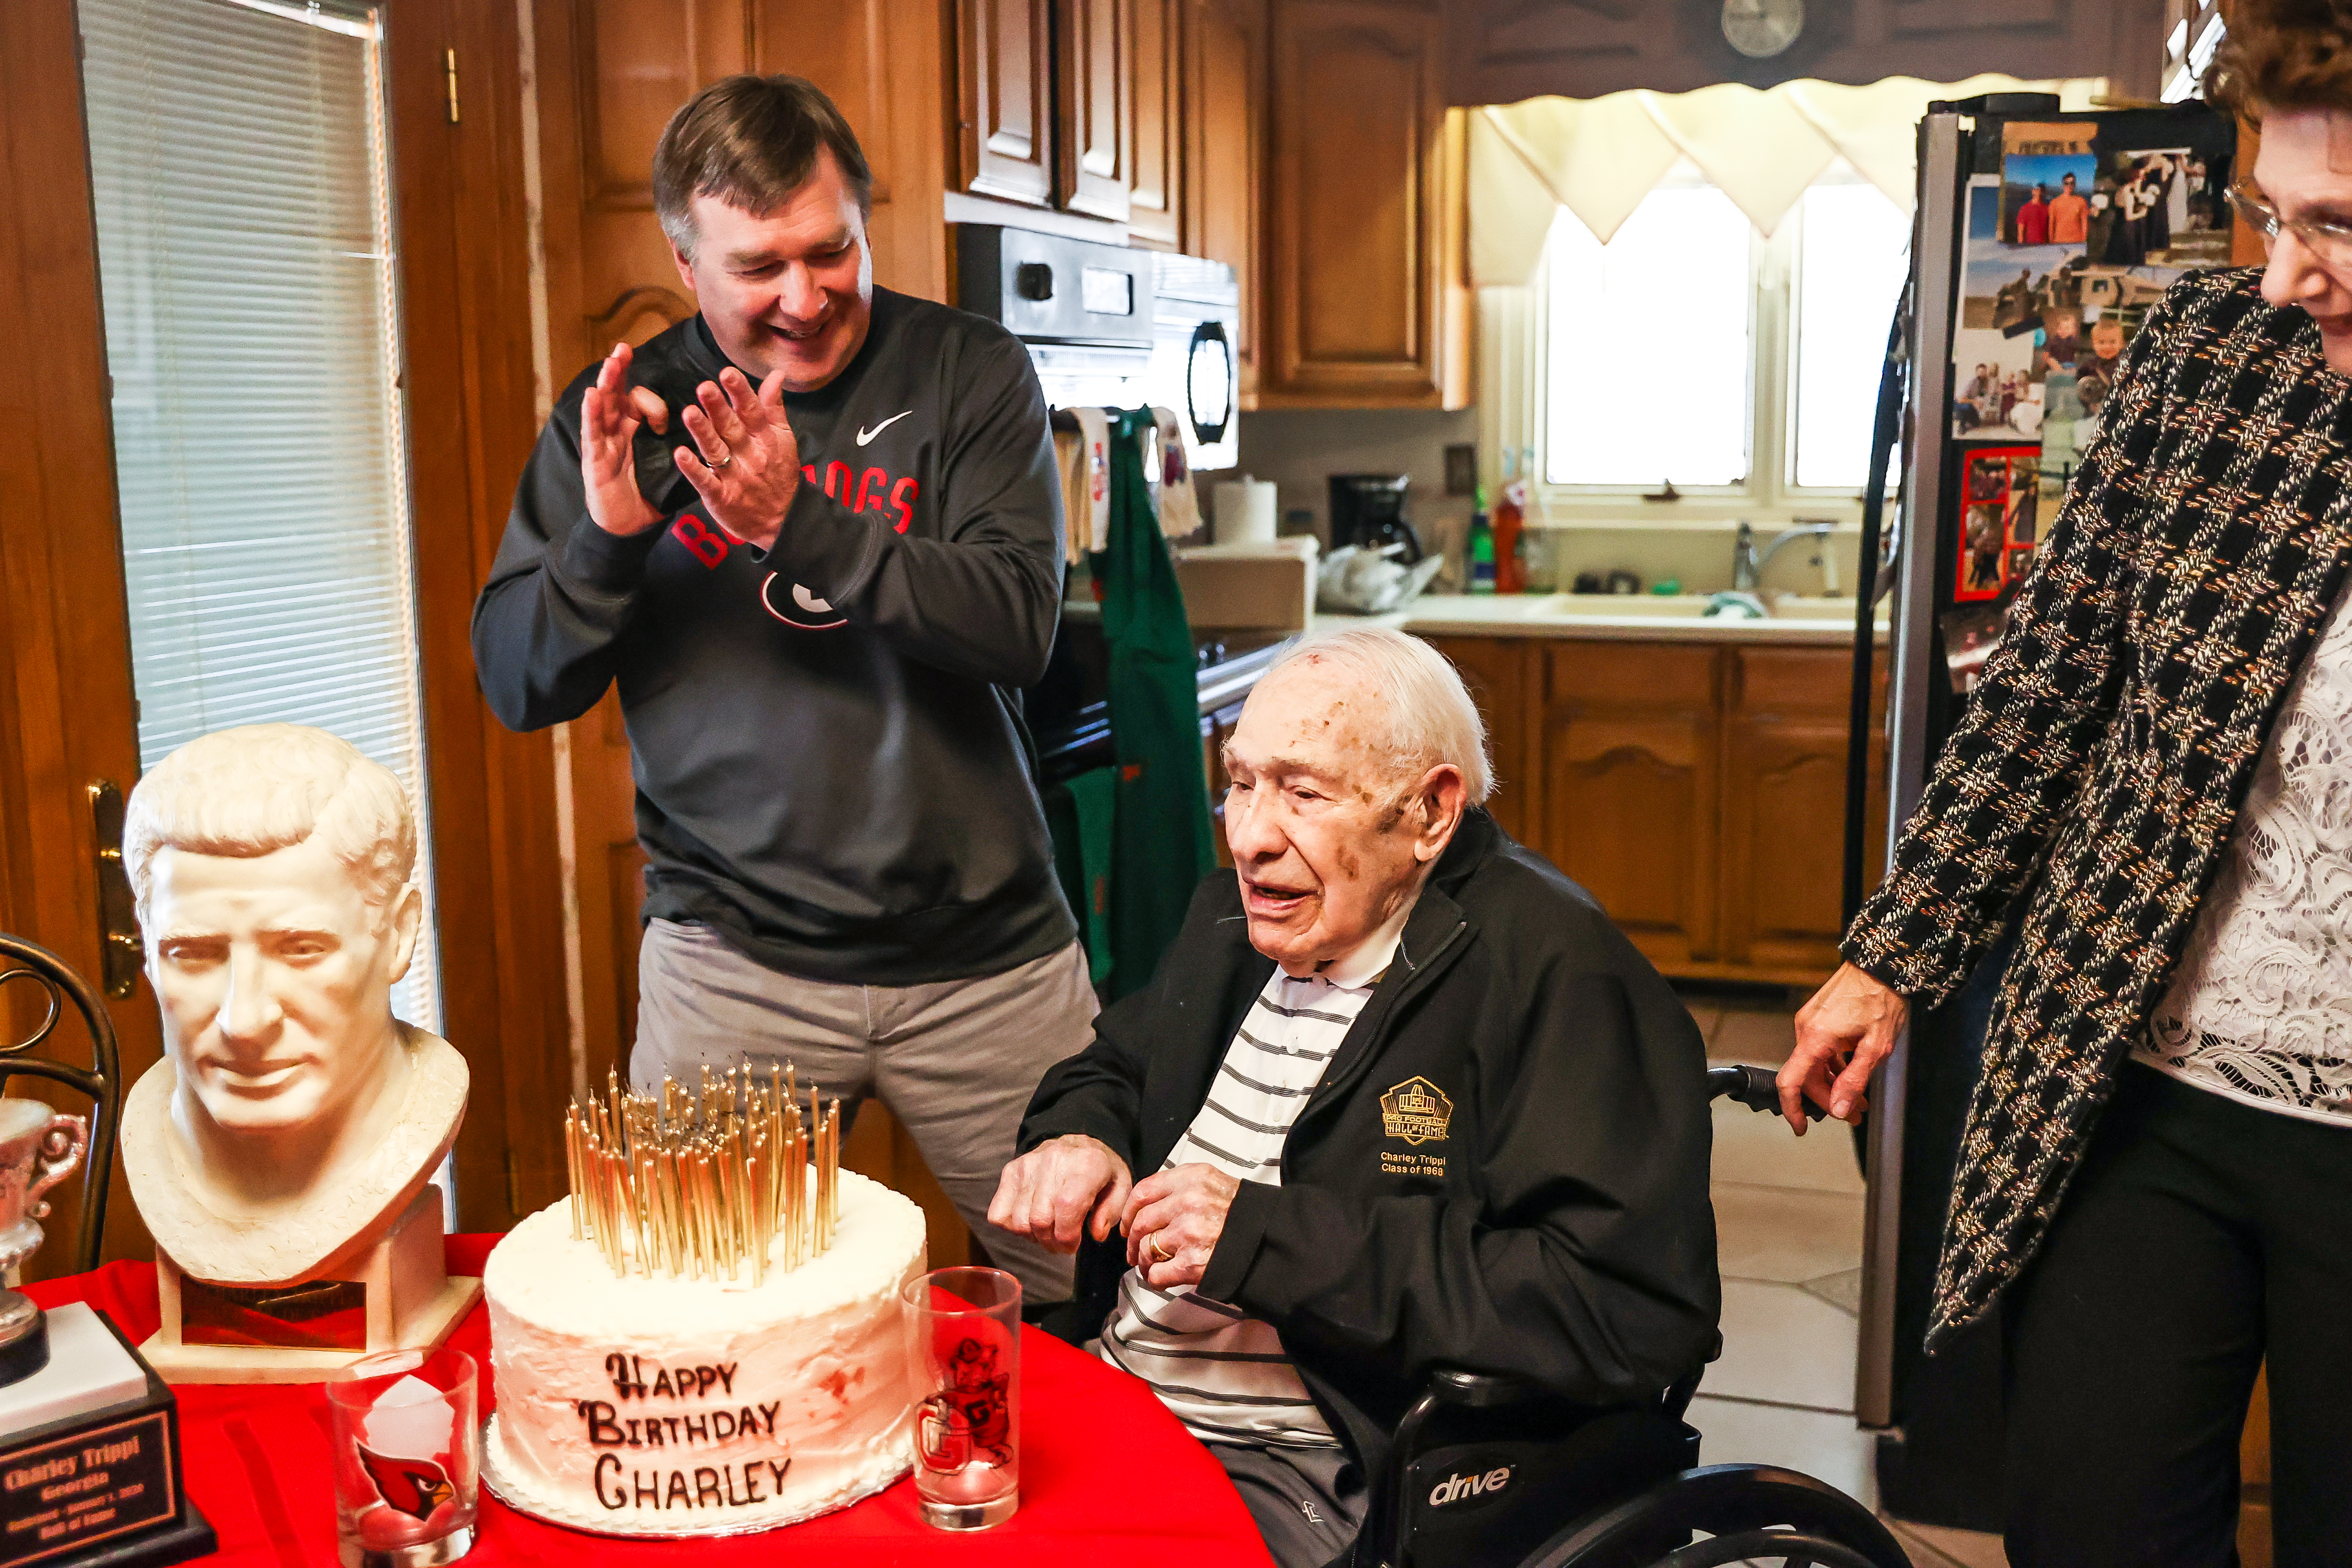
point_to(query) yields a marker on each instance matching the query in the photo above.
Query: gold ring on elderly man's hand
(722, 462)
(1158, 1251)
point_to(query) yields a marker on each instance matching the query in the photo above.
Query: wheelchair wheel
(1778, 1548)
(1742, 1513)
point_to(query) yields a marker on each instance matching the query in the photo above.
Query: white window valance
(1599, 157)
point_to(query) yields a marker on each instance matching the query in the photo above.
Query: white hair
(1421, 715)
(260, 788)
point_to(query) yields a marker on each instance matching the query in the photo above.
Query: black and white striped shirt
(1225, 1376)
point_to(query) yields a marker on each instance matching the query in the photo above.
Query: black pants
(2199, 1235)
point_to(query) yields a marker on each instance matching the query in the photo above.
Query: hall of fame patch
(1416, 1111)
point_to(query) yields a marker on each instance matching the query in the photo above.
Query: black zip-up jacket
(1559, 1229)
(831, 767)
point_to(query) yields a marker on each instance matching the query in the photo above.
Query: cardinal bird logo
(414, 1486)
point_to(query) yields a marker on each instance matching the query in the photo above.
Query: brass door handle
(121, 950)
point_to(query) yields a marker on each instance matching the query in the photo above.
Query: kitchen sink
(1621, 606)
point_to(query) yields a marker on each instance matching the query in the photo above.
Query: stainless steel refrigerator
(2040, 240)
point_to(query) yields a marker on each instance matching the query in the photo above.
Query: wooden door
(1784, 795)
(880, 61)
(66, 705)
(1496, 671)
(1631, 772)
(1155, 107)
(1365, 304)
(1225, 142)
(1004, 108)
(611, 73)
(1092, 70)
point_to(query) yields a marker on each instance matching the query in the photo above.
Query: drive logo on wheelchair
(1458, 1487)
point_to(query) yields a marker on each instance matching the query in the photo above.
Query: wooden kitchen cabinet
(1630, 780)
(1496, 670)
(1223, 120)
(1155, 129)
(1366, 301)
(1093, 88)
(1785, 750)
(1697, 790)
(1005, 99)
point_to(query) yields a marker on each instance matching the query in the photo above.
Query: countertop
(1642, 618)
(1071, 719)
(1648, 618)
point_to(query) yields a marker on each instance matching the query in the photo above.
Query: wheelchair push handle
(1753, 1087)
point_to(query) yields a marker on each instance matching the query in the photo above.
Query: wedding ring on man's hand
(1158, 1251)
(722, 462)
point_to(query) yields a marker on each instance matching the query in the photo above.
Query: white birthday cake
(652, 1400)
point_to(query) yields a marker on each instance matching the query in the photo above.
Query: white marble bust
(292, 1118)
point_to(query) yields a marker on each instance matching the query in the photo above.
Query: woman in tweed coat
(2154, 779)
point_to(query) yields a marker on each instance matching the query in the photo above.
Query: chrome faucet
(1748, 566)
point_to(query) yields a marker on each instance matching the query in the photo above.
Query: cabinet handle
(120, 948)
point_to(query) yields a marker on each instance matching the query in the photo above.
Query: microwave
(1111, 326)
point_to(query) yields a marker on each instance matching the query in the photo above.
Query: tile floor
(1788, 1217)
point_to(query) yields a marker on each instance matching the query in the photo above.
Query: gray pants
(955, 1061)
(1308, 1503)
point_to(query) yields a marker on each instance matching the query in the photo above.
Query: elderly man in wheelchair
(1393, 1182)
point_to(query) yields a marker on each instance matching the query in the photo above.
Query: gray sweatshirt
(831, 767)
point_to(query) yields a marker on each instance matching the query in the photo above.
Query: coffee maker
(1368, 509)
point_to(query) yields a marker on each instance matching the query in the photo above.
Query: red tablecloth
(1107, 1474)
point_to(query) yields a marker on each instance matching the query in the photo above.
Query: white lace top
(2260, 1007)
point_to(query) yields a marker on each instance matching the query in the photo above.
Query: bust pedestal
(394, 1295)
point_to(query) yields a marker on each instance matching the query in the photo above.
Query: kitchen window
(1692, 356)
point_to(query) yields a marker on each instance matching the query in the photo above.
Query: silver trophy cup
(39, 1147)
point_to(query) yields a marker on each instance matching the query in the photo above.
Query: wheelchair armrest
(1447, 1386)
(1758, 1087)
(1476, 1390)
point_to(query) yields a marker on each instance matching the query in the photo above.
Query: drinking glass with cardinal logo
(963, 1353)
(407, 1458)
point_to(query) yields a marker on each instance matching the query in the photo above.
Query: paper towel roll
(1245, 510)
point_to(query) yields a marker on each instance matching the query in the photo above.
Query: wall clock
(1763, 28)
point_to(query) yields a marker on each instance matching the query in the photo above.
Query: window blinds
(247, 273)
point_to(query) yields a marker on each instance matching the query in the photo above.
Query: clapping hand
(748, 467)
(610, 414)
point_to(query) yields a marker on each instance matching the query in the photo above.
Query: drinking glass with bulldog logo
(963, 1354)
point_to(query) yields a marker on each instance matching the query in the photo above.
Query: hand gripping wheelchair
(1484, 1472)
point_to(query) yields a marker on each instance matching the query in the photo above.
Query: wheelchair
(1486, 1472)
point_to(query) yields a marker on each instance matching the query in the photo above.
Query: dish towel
(1179, 505)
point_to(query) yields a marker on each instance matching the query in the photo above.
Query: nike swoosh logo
(865, 435)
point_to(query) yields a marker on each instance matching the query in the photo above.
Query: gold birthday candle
(728, 1184)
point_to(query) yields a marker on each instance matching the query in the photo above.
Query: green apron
(1079, 815)
(1161, 842)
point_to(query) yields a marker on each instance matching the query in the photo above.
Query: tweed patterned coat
(2112, 738)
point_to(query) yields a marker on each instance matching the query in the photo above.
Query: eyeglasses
(2330, 243)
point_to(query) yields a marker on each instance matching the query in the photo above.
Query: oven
(1115, 327)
